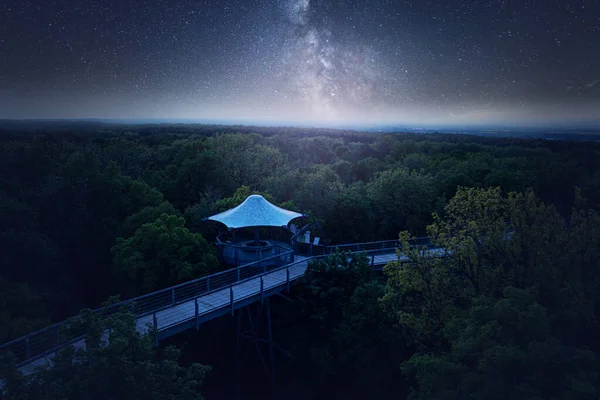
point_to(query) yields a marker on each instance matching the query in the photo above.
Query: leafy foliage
(342, 336)
(504, 349)
(523, 249)
(502, 314)
(21, 311)
(163, 253)
(122, 364)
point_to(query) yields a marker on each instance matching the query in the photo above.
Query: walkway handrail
(316, 249)
(220, 242)
(286, 267)
(44, 341)
(48, 340)
(424, 240)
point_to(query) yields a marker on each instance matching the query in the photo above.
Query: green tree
(81, 211)
(318, 188)
(504, 311)
(491, 242)
(238, 198)
(351, 217)
(163, 253)
(22, 311)
(26, 253)
(194, 168)
(123, 364)
(342, 337)
(401, 200)
(244, 159)
(365, 168)
(205, 207)
(504, 349)
(146, 215)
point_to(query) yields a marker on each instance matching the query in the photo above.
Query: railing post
(238, 273)
(57, 338)
(382, 245)
(261, 289)
(231, 298)
(287, 278)
(172, 296)
(208, 283)
(372, 260)
(196, 313)
(155, 327)
(27, 350)
(237, 250)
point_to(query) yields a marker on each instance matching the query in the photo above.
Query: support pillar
(270, 343)
(256, 235)
(254, 330)
(238, 368)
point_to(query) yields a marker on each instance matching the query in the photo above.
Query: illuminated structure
(257, 230)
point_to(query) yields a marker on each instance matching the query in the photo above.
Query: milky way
(425, 63)
(328, 77)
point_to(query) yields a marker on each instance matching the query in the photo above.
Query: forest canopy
(511, 312)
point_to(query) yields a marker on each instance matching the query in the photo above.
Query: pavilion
(257, 229)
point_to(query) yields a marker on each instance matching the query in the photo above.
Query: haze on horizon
(526, 63)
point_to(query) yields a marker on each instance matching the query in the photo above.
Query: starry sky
(420, 62)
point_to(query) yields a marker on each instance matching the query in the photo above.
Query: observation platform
(245, 251)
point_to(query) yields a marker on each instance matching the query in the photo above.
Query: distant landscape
(587, 132)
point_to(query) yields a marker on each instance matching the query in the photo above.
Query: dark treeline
(97, 211)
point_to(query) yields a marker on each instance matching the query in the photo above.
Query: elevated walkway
(188, 305)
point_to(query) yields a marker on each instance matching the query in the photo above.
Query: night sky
(446, 62)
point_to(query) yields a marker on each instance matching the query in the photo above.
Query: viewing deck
(246, 251)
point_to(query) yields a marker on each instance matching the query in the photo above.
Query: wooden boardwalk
(200, 308)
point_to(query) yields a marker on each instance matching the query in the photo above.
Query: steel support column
(258, 334)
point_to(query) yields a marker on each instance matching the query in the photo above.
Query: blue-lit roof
(255, 211)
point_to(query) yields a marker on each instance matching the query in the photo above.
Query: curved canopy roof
(255, 211)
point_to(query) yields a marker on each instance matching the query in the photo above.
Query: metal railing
(381, 245)
(51, 339)
(310, 249)
(48, 340)
(235, 254)
(233, 300)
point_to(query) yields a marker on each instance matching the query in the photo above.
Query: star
(357, 60)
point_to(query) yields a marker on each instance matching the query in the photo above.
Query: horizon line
(312, 125)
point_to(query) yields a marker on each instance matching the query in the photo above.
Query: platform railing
(311, 249)
(235, 254)
(380, 245)
(49, 340)
(233, 300)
